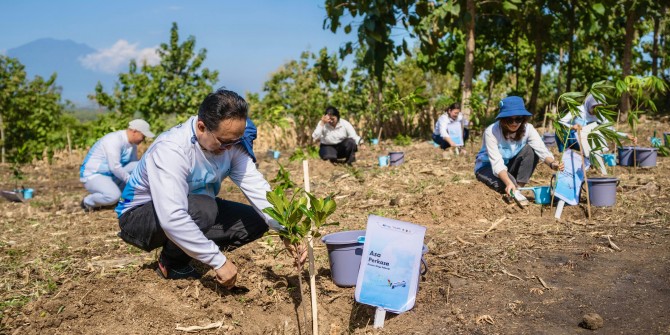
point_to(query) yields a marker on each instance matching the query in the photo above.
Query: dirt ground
(63, 271)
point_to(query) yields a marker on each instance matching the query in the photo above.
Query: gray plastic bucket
(625, 155)
(397, 158)
(549, 139)
(645, 157)
(602, 191)
(344, 255)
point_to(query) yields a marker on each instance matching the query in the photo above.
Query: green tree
(162, 94)
(30, 113)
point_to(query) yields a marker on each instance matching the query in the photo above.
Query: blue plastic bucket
(374, 141)
(549, 139)
(344, 256)
(396, 158)
(542, 194)
(274, 154)
(626, 156)
(602, 191)
(383, 160)
(609, 159)
(28, 193)
(645, 157)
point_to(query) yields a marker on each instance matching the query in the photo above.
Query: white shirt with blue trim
(497, 150)
(108, 156)
(174, 167)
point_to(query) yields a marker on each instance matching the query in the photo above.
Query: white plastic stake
(559, 209)
(310, 254)
(457, 153)
(380, 316)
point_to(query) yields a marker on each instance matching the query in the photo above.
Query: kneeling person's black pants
(345, 149)
(519, 169)
(229, 224)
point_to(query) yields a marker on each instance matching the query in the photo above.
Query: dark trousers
(519, 169)
(444, 144)
(229, 224)
(345, 149)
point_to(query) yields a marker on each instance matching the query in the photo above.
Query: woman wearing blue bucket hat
(510, 151)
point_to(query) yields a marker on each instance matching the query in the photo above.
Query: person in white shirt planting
(107, 166)
(171, 199)
(441, 134)
(510, 151)
(337, 137)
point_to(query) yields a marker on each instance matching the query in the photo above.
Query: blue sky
(245, 40)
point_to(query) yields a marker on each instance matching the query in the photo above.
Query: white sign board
(569, 181)
(389, 274)
(455, 130)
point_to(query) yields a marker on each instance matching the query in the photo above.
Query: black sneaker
(86, 208)
(186, 272)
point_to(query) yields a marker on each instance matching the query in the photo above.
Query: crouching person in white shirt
(511, 150)
(107, 166)
(337, 137)
(170, 200)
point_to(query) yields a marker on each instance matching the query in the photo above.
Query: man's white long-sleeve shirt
(174, 167)
(108, 156)
(330, 135)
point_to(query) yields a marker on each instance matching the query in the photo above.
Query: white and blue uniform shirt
(497, 150)
(174, 167)
(108, 156)
(443, 123)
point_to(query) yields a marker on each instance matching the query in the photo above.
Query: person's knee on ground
(102, 199)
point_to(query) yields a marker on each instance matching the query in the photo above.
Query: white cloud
(116, 58)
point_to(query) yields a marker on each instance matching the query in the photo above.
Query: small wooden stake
(586, 180)
(310, 254)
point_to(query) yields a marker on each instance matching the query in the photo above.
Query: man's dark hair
(222, 105)
(332, 111)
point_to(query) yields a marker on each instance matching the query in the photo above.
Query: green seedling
(300, 221)
(283, 179)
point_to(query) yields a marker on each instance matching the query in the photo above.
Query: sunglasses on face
(515, 119)
(223, 144)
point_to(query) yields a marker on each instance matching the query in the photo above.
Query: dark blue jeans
(229, 224)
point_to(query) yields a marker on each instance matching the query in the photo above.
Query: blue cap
(512, 106)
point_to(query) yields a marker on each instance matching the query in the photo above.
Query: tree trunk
(558, 77)
(654, 50)
(468, 69)
(628, 56)
(516, 62)
(2, 139)
(490, 93)
(539, 56)
(571, 47)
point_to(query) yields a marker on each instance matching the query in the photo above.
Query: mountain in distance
(45, 56)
